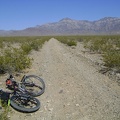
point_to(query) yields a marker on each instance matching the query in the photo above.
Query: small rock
(68, 104)
(61, 91)
(48, 101)
(118, 75)
(77, 105)
(50, 109)
(8, 116)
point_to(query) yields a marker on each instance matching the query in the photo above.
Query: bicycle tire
(40, 85)
(19, 108)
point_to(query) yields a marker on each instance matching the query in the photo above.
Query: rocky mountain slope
(67, 26)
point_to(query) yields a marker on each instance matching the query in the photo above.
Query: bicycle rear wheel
(34, 85)
(21, 105)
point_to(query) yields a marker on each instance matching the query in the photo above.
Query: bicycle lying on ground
(22, 97)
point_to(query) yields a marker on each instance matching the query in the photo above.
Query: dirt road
(74, 88)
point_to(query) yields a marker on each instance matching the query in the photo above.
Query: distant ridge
(67, 26)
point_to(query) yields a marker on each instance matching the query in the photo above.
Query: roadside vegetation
(5, 111)
(68, 40)
(108, 46)
(14, 52)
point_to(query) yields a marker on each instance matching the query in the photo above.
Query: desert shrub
(112, 59)
(65, 41)
(26, 47)
(68, 40)
(102, 43)
(36, 44)
(5, 111)
(96, 45)
(4, 114)
(71, 43)
(1, 44)
(14, 59)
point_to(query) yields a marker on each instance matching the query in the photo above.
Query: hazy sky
(20, 14)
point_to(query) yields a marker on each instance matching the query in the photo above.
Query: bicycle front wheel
(34, 85)
(21, 105)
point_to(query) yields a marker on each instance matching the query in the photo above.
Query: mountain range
(67, 26)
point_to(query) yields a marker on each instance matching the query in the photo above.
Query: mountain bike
(22, 97)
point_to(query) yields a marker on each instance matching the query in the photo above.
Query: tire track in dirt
(74, 88)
